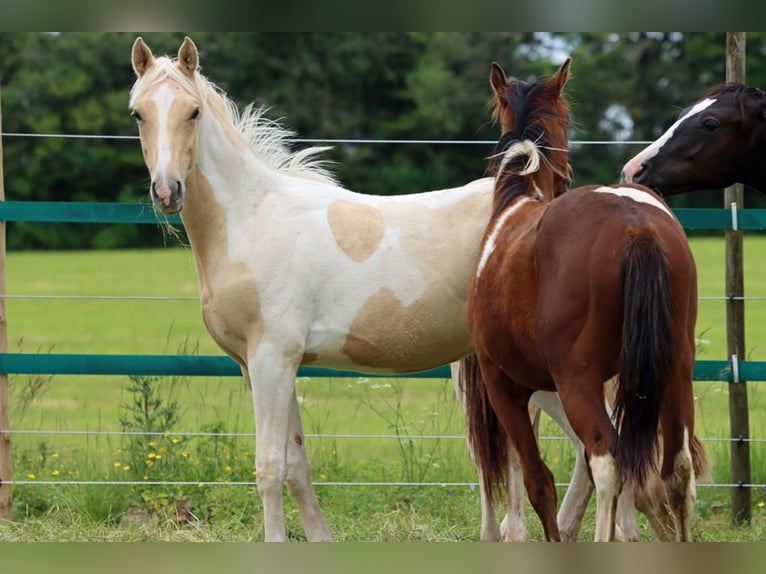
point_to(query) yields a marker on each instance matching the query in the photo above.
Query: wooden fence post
(735, 320)
(5, 437)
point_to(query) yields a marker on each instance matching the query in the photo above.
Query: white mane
(267, 139)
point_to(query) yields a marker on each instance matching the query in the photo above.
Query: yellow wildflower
(31, 476)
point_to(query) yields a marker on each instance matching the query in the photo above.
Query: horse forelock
(267, 139)
(743, 95)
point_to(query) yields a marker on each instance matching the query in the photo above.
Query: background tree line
(386, 85)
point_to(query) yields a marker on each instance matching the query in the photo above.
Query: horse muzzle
(168, 196)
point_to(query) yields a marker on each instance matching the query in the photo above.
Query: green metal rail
(223, 366)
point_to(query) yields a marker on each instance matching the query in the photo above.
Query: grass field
(400, 407)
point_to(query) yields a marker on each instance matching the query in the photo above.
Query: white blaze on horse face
(635, 165)
(489, 245)
(163, 99)
(635, 194)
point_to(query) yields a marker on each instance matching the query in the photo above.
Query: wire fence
(341, 436)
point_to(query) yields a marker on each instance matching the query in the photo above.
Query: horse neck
(514, 187)
(226, 184)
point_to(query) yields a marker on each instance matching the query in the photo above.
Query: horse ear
(188, 57)
(497, 79)
(562, 75)
(141, 57)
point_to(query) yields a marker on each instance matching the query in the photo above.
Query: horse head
(167, 107)
(536, 111)
(718, 141)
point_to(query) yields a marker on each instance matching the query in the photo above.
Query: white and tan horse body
(293, 269)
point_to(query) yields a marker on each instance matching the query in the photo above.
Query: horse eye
(195, 114)
(710, 124)
(136, 115)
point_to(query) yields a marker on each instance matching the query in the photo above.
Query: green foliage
(337, 85)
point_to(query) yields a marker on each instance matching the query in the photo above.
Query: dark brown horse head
(718, 141)
(536, 111)
(533, 114)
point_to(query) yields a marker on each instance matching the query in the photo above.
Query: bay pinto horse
(571, 289)
(650, 498)
(716, 142)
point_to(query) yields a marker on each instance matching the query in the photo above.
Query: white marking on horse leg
(489, 244)
(514, 525)
(639, 195)
(635, 165)
(299, 479)
(163, 98)
(606, 480)
(626, 524)
(577, 496)
(490, 532)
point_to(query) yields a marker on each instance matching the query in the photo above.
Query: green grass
(329, 406)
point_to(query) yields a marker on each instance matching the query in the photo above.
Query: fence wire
(325, 141)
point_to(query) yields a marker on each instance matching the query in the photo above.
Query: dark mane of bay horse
(740, 92)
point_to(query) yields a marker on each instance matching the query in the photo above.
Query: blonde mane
(266, 138)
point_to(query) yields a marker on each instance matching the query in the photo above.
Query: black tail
(646, 354)
(486, 436)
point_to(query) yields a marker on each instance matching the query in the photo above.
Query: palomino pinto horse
(293, 269)
(570, 290)
(717, 141)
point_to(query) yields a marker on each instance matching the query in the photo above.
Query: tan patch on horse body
(443, 243)
(386, 334)
(309, 358)
(229, 298)
(357, 228)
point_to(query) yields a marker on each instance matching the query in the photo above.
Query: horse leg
(652, 501)
(273, 384)
(299, 479)
(577, 496)
(510, 402)
(584, 405)
(514, 525)
(490, 532)
(626, 526)
(678, 472)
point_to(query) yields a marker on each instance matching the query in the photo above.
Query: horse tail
(646, 353)
(700, 459)
(486, 436)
